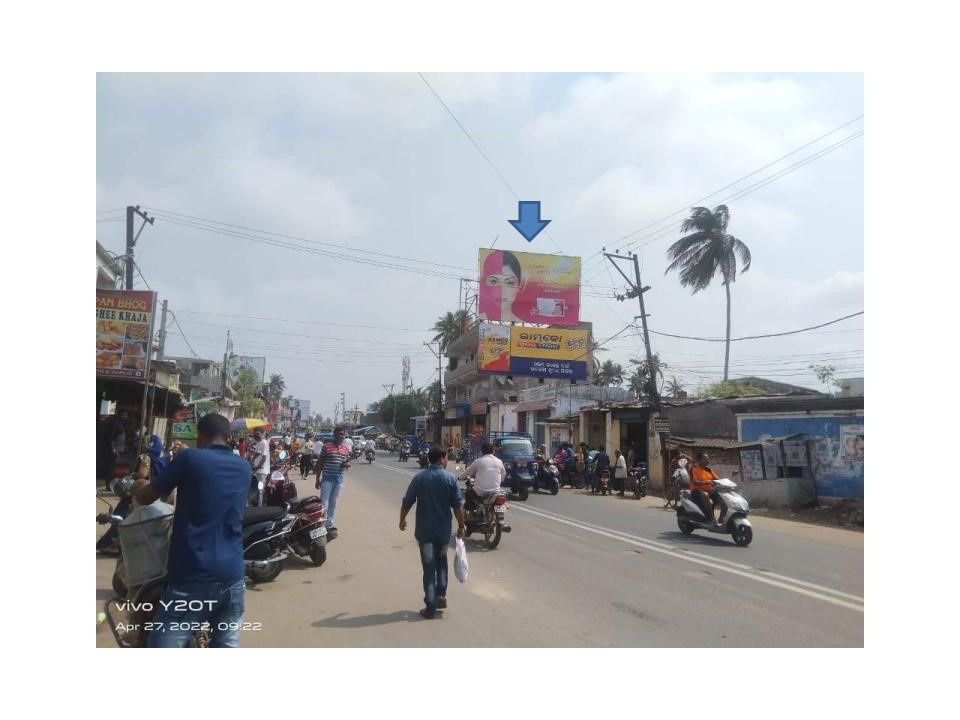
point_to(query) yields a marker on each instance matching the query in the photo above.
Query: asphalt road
(577, 571)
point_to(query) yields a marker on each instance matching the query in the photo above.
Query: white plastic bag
(460, 564)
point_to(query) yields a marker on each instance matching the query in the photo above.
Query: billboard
(529, 287)
(533, 352)
(124, 329)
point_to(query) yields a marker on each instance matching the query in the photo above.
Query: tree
(276, 386)
(644, 381)
(675, 388)
(609, 374)
(245, 387)
(449, 327)
(825, 374)
(729, 389)
(707, 249)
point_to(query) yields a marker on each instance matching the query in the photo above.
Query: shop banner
(529, 287)
(124, 328)
(533, 352)
(183, 431)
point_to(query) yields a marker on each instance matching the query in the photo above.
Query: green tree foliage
(406, 407)
(825, 374)
(729, 389)
(276, 386)
(705, 251)
(609, 374)
(449, 327)
(245, 388)
(675, 389)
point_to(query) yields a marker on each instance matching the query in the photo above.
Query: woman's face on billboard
(508, 283)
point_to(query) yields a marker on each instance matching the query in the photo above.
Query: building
(109, 272)
(476, 404)
(202, 378)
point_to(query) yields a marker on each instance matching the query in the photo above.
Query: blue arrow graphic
(529, 223)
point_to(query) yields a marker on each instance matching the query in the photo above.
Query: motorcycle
(109, 542)
(637, 477)
(265, 540)
(547, 476)
(355, 452)
(733, 514)
(602, 485)
(487, 516)
(422, 459)
(404, 455)
(130, 618)
(308, 534)
(370, 455)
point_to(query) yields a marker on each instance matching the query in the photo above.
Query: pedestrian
(437, 497)
(261, 459)
(332, 459)
(205, 562)
(619, 473)
(306, 456)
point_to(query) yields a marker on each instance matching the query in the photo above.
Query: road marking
(781, 581)
(802, 587)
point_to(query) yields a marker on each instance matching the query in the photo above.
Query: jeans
(184, 607)
(329, 492)
(433, 557)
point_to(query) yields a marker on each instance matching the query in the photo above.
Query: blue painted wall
(834, 476)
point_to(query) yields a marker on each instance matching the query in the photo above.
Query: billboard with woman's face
(529, 287)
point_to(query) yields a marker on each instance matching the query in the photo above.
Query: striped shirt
(331, 458)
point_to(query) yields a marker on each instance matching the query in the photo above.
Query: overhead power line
(756, 337)
(182, 334)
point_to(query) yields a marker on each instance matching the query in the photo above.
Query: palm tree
(643, 381)
(675, 388)
(449, 327)
(706, 249)
(609, 373)
(276, 386)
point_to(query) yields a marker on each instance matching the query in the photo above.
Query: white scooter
(734, 510)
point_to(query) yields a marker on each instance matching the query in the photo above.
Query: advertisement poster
(851, 440)
(533, 352)
(529, 287)
(124, 329)
(751, 463)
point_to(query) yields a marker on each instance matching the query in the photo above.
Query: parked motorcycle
(370, 455)
(487, 516)
(602, 485)
(308, 534)
(547, 476)
(109, 542)
(637, 478)
(733, 514)
(265, 540)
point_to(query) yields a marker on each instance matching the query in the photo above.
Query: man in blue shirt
(205, 563)
(436, 494)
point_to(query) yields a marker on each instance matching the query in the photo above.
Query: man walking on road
(333, 459)
(205, 565)
(436, 494)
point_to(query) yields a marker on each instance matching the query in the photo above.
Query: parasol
(248, 424)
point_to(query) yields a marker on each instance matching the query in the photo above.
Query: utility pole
(223, 371)
(637, 289)
(439, 355)
(163, 331)
(343, 406)
(393, 425)
(132, 240)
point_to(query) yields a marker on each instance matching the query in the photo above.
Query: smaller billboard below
(533, 352)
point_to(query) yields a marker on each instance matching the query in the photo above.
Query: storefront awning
(532, 406)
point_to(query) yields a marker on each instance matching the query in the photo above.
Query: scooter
(109, 542)
(370, 455)
(733, 513)
(547, 476)
(487, 516)
(404, 455)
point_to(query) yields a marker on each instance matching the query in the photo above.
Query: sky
(326, 219)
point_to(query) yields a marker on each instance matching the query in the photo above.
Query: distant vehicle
(516, 452)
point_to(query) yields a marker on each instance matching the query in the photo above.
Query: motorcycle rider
(489, 472)
(370, 446)
(405, 448)
(701, 485)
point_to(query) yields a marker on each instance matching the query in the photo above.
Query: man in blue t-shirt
(436, 493)
(205, 563)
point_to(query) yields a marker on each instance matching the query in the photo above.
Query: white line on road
(802, 587)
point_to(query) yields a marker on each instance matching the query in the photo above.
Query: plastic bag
(460, 564)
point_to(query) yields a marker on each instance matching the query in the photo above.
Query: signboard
(124, 329)
(851, 443)
(529, 287)
(183, 431)
(661, 425)
(532, 352)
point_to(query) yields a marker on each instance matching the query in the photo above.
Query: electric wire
(182, 334)
(757, 337)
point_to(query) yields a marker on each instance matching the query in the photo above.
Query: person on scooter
(701, 485)
(489, 472)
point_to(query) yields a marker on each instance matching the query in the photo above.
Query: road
(577, 571)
